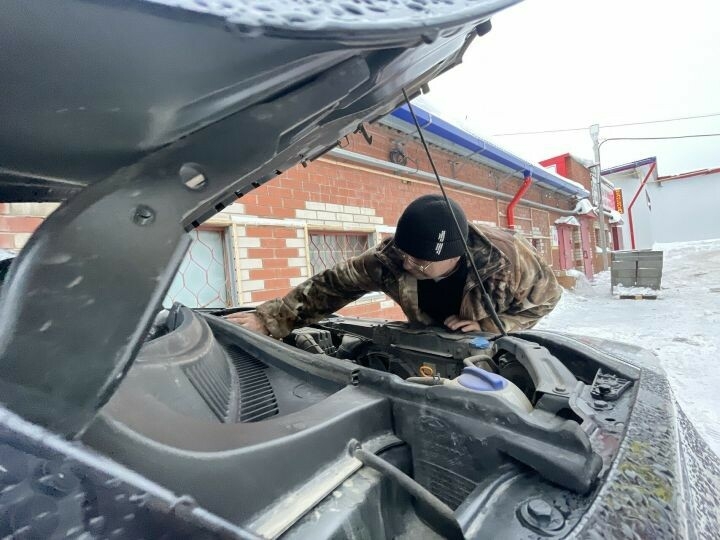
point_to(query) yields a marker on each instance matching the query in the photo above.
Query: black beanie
(426, 230)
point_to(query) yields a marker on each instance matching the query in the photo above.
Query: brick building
(583, 232)
(319, 213)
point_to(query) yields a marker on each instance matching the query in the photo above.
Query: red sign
(608, 198)
(619, 206)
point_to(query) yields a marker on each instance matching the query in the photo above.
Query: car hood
(90, 86)
(147, 118)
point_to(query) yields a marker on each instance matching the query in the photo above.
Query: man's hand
(453, 322)
(248, 320)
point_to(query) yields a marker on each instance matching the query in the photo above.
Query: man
(424, 269)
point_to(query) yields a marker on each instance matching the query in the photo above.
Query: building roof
(700, 172)
(629, 166)
(453, 138)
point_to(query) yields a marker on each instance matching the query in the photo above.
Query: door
(586, 247)
(617, 238)
(565, 245)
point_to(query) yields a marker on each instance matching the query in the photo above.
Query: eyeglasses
(421, 267)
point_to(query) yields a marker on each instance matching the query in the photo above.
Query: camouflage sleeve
(535, 290)
(322, 294)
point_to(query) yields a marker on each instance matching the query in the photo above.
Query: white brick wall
(32, 209)
(249, 264)
(306, 214)
(253, 285)
(234, 208)
(297, 262)
(246, 242)
(21, 239)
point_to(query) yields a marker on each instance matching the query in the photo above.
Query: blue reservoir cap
(480, 380)
(480, 343)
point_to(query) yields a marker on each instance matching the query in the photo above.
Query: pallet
(638, 297)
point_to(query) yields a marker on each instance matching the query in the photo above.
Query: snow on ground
(682, 326)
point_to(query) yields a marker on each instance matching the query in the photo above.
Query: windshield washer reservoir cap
(480, 343)
(480, 380)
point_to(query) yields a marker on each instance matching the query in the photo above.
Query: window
(329, 248)
(202, 279)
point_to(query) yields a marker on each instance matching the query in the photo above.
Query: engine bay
(271, 434)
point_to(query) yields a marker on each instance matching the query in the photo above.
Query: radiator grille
(214, 384)
(256, 396)
(448, 486)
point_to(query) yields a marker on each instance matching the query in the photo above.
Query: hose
(307, 343)
(427, 381)
(482, 361)
(440, 517)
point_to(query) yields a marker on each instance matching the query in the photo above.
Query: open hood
(150, 117)
(92, 86)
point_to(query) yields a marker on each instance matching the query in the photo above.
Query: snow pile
(682, 326)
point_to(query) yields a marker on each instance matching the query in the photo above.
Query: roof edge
(453, 134)
(689, 174)
(628, 166)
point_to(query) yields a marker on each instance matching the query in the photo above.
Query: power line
(660, 138)
(606, 125)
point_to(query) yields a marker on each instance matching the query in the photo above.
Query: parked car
(124, 420)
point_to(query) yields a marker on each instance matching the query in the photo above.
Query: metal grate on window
(201, 280)
(330, 248)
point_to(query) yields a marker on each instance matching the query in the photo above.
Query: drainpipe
(511, 207)
(637, 194)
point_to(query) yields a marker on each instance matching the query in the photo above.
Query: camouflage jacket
(522, 287)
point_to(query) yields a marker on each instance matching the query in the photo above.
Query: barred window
(202, 279)
(329, 248)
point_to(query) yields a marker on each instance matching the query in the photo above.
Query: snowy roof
(701, 172)
(567, 220)
(616, 217)
(454, 138)
(629, 166)
(584, 207)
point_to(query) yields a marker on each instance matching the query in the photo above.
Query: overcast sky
(556, 64)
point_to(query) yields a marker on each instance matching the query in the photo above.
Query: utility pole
(597, 192)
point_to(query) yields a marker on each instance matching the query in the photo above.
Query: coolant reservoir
(475, 379)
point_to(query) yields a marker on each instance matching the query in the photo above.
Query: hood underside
(148, 118)
(90, 87)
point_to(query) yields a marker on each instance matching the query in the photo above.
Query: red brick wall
(19, 221)
(579, 173)
(276, 272)
(272, 257)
